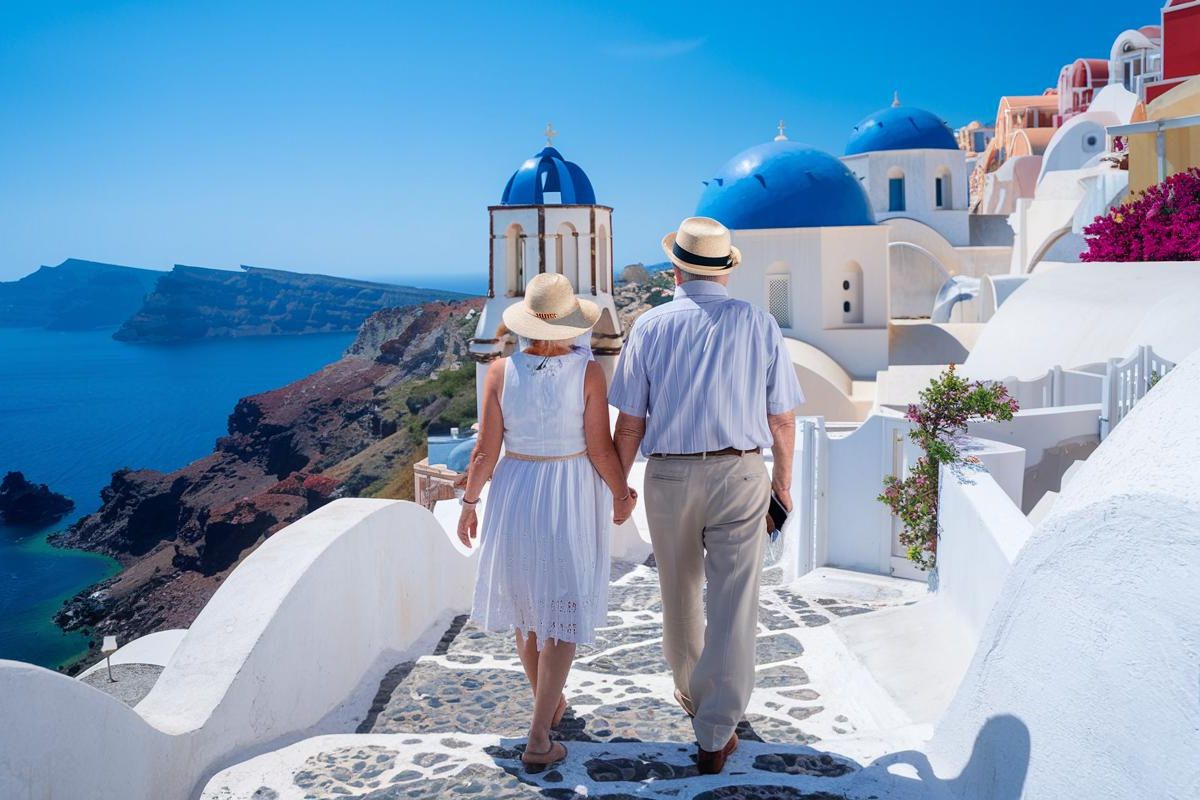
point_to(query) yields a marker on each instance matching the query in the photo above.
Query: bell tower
(548, 220)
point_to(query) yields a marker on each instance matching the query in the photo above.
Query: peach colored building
(1024, 126)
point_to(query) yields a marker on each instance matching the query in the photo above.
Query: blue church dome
(545, 173)
(460, 457)
(785, 184)
(901, 128)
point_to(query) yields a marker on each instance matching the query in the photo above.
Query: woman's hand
(623, 506)
(468, 526)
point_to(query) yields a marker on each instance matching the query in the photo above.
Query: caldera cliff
(198, 302)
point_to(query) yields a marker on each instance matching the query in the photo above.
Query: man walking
(703, 385)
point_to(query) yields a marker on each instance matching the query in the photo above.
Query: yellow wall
(1182, 144)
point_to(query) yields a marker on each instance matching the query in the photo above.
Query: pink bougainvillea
(1160, 224)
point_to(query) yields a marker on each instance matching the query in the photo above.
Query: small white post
(107, 649)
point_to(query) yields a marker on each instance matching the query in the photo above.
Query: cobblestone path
(451, 724)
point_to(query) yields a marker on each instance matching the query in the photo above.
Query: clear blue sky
(368, 138)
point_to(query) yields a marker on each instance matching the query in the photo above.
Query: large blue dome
(784, 184)
(901, 128)
(547, 172)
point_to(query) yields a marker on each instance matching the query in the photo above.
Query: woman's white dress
(543, 560)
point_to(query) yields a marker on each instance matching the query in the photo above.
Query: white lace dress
(543, 560)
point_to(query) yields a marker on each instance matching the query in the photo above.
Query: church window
(779, 299)
(896, 194)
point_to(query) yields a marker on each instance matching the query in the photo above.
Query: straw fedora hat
(701, 246)
(551, 311)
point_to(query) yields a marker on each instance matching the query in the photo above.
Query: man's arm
(628, 438)
(783, 447)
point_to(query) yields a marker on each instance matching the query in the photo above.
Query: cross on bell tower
(550, 134)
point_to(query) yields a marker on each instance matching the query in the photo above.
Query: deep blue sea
(75, 406)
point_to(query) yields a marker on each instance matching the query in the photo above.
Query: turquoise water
(75, 406)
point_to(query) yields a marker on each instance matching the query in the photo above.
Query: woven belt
(526, 457)
(728, 451)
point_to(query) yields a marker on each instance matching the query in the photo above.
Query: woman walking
(543, 561)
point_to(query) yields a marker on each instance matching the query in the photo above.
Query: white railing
(1126, 381)
(1058, 387)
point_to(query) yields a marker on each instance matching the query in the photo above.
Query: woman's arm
(486, 451)
(600, 447)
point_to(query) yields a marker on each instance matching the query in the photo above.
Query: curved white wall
(1078, 314)
(325, 603)
(1090, 654)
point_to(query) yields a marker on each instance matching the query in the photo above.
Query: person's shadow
(995, 770)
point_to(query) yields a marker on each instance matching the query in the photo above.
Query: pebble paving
(452, 723)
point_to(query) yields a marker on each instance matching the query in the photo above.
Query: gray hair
(691, 276)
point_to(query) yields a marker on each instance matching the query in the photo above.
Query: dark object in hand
(778, 515)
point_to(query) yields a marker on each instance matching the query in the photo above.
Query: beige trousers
(706, 521)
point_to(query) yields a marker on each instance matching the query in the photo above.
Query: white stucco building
(910, 164)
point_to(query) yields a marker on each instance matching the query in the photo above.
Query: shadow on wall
(996, 769)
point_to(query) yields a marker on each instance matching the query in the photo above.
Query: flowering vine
(939, 420)
(1160, 224)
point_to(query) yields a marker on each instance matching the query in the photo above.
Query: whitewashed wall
(920, 168)
(983, 530)
(320, 609)
(815, 259)
(1085, 680)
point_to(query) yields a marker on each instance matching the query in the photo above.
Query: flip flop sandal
(537, 766)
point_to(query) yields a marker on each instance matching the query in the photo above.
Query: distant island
(29, 504)
(190, 303)
(75, 295)
(197, 302)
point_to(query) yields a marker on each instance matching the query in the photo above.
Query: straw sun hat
(701, 246)
(551, 311)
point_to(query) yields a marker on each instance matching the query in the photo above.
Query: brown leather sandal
(534, 767)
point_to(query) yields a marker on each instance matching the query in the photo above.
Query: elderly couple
(704, 384)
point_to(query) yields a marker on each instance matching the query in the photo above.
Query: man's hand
(468, 526)
(784, 494)
(785, 499)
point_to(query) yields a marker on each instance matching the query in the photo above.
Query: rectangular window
(937, 191)
(895, 194)
(779, 299)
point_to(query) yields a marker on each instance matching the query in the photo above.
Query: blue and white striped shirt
(705, 370)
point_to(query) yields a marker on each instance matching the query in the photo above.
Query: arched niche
(850, 293)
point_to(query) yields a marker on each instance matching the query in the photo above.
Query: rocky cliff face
(355, 428)
(196, 302)
(75, 295)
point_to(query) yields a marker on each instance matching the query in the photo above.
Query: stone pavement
(451, 724)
